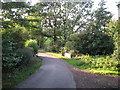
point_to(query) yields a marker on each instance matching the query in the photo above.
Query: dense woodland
(72, 27)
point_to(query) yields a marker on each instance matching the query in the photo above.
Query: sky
(110, 4)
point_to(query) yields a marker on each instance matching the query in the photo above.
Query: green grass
(12, 79)
(78, 64)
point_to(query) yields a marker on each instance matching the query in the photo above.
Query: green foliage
(53, 47)
(10, 79)
(101, 18)
(47, 42)
(86, 65)
(18, 34)
(97, 44)
(11, 60)
(21, 22)
(74, 43)
(8, 5)
(113, 31)
(27, 55)
(33, 44)
(10, 57)
(106, 62)
(91, 43)
(69, 45)
(12, 39)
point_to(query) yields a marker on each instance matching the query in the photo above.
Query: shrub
(113, 31)
(52, 46)
(74, 43)
(10, 58)
(63, 50)
(69, 45)
(105, 62)
(97, 44)
(27, 55)
(91, 43)
(33, 44)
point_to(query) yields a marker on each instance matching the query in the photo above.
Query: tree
(13, 19)
(100, 18)
(12, 37)
(89, 43)
(113, 31)
(60, 19)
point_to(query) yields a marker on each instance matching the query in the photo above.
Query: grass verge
(13, 78)
(78, 64)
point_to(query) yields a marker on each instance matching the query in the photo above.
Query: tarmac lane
(52, 74)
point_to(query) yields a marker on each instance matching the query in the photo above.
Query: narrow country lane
(52, 74)
(57, 73)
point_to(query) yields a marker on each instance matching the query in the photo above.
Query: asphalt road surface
(52, 74)
(57, 73)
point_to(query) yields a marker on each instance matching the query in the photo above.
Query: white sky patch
(33, 1)
(111, 6)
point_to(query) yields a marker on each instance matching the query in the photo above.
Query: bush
(106, 62)
(113, 31)
(69, 46)
(10, 58)
(52, 46)
(27, 55)
(33, 44)
(90, 43)
(97, 44)
(63, 50)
